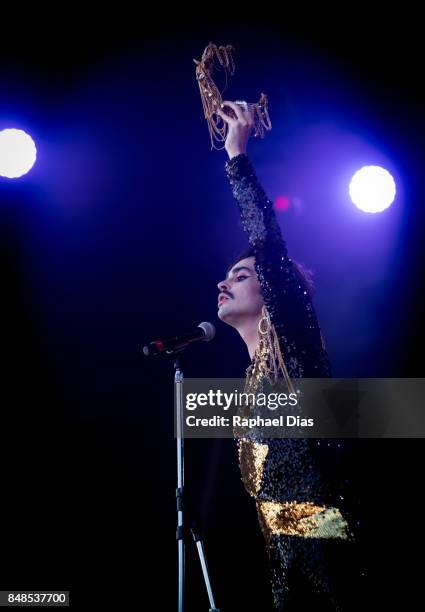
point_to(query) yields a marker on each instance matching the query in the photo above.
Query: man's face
(240, 294)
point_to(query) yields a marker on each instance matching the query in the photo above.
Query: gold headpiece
(211, 96)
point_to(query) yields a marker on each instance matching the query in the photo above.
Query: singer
(298, 493)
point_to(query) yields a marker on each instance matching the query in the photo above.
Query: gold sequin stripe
(252, 456)
(302, 519)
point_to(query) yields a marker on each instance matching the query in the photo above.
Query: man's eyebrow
(238, 269)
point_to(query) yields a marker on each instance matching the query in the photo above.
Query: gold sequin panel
(252, 456)
(301, 519)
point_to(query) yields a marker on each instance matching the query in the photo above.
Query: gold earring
(265, 320)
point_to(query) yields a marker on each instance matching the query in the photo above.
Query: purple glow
(282, 202)
(372, 189)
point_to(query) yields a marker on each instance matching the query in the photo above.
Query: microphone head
(208, 329)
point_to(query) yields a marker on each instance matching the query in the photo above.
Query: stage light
(372, 189)
(17, 153)
(282, 203)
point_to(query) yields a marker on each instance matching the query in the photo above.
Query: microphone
(205, 331)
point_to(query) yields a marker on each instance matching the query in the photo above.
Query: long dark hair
(304, 274)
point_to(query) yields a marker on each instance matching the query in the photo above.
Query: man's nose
(223, 286)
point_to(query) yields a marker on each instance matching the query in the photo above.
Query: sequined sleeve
(287, 300)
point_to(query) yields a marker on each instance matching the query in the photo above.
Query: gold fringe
(211, 96)
(268, 359)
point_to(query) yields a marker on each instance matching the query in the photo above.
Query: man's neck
(249, 334)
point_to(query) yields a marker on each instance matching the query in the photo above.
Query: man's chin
(221, 315)
(225, 314)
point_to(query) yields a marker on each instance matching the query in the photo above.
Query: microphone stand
(181, 528)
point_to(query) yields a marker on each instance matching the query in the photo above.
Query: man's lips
(222, 297)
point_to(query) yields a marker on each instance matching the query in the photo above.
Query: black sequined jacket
(297, 469)
(289, 478)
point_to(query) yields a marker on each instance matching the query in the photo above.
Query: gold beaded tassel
(262, 120)
(268, 359)
(210, 94)
(212, 99)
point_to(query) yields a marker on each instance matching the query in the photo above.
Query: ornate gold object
(212, 99)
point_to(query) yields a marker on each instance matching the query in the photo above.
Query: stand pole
(178, 380)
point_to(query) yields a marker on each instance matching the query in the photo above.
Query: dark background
(120, 234)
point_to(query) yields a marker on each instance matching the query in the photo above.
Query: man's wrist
(238, 167)
(235, 153)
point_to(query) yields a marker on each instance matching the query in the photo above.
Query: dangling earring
(260, 368)
(264, 322)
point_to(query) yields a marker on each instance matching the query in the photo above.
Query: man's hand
(239, 129)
